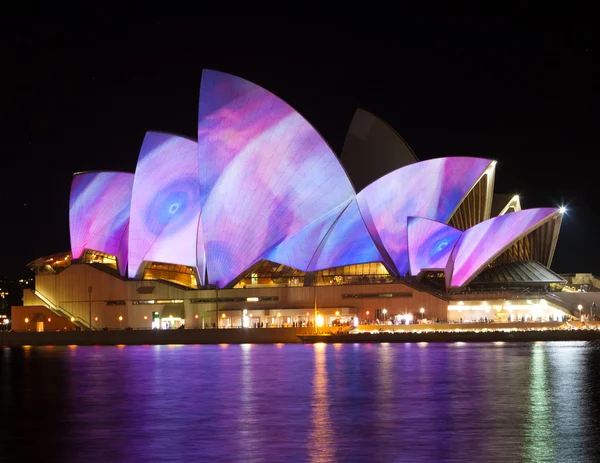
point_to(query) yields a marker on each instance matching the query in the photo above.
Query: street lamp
(384, 313)
(120, 320)
(580, 307)
(320, 321)
(422, 310)
(27, 323)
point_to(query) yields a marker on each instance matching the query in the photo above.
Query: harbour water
(414, 402)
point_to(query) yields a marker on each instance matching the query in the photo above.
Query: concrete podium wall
(139, 337)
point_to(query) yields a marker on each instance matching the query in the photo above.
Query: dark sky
(79, 94)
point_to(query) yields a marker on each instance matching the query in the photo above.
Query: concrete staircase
(61, 312)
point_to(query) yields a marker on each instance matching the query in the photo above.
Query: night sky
(80, 96)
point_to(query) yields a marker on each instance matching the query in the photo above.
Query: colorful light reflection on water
(518, 402)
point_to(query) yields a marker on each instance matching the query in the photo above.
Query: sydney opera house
(257, 223)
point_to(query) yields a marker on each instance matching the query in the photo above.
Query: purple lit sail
(123, 251)
(266, 172)
(430, 244)
(297, 250)
(99, 213)
(430, 189)
(165, 204)
(482, 243)
(347, 243)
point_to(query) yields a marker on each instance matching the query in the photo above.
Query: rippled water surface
(522, 402)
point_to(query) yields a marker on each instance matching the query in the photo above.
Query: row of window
(375, 295)
(210, 300)
(206, 300)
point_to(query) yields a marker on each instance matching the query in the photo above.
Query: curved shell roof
(430, 244)
(99, 213)
(266, 171)
(165, 205)
(262, 184)
(430, 189)
(480, 244)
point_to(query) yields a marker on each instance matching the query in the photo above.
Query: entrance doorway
(171, 323)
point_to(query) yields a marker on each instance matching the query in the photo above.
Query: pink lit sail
(266, 174)
(297, 250)
(347, 243)
(165, 204)
(262, 184)
(430, 244)
(123, 251)
(482, 243)
(430, 189)
(99, 213)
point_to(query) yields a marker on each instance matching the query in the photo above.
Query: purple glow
(430, 244)
(165, 204)
(99, 213)
(430, 189)
(347, 243)
(123, 251)
(266, 172)
(298, 250)
(482, 243)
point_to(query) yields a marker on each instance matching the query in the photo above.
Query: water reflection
(515, 402)
(248, 427)
(540, 425)
(322, 435)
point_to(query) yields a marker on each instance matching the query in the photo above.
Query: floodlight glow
(320, 321)
(562, 209)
